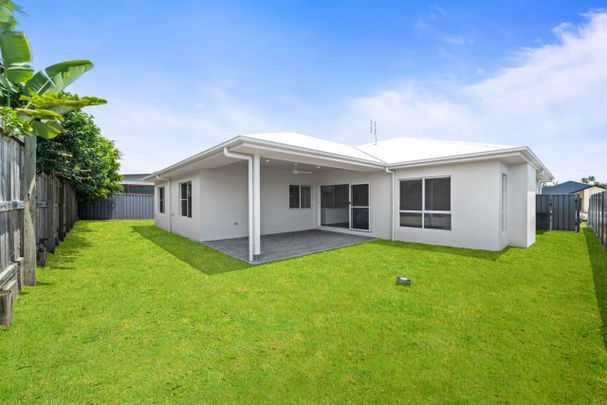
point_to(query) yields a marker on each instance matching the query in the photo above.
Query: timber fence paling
(48, 225)
(597, 216)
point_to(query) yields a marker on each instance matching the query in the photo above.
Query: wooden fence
(30, 223)
(597, 216)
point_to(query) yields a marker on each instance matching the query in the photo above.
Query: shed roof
(567, 187)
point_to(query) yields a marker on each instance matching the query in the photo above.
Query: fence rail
(597, 216)
(55, 213)
(120, 206)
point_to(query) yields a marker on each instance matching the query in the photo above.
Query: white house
(462, 194)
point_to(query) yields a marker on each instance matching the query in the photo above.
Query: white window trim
(424, 211)
(299, 186)
(181, 199)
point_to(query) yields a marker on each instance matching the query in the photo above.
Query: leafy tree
(592, 180)
(82, 156)
(33, 103)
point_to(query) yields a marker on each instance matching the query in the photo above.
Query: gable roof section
(567, 187)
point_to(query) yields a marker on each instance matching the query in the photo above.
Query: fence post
(50, 213)
(61, 209)
(29, 232)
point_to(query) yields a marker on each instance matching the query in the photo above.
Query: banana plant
(37, 99)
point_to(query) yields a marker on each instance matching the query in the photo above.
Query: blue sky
(182, 77)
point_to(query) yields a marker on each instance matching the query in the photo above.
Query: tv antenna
(373, 130)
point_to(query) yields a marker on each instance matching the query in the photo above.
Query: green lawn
(126, 312)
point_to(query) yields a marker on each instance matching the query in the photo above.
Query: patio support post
(393, 203)
(249, 159)
(257, 204)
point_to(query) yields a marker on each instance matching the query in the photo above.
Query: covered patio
(280, 246)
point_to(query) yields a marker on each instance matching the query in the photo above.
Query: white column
(257, 204)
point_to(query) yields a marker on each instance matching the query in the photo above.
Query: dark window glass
(411, 195)
(360, 218)
(411, 219)
(161, 199)
(306, 197)
(186, 199)
(360, 195)
(293, 196)
(438, 194)
(437, 221)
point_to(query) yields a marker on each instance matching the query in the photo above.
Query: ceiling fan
(297, 171)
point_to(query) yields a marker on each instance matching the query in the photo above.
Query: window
(306, 197)
(426, 203)
(300, 196)
(161, 199)
(293, 196)
(186, 199)
(504, 203)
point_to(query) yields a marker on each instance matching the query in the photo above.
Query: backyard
(126, 312)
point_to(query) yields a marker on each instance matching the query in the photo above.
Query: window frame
(299, 201)
(423, 210)
(161, 199)
(188, 200)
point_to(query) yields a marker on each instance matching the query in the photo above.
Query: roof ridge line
(373, 156)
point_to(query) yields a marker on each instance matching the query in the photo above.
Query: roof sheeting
(298, 140)
(567, 187)
(401, 150)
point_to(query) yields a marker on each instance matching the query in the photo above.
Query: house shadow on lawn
(200, 257)
(598, 261)
(477, 254)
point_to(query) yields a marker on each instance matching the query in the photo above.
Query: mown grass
(126, 312)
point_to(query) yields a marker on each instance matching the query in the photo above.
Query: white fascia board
(266, 145)
(192, 159)
(523, 152)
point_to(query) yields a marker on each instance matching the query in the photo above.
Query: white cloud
(152, 134)
(552, 98)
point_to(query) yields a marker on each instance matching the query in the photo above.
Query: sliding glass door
(359, 209)
(345, 206)
(334, 203)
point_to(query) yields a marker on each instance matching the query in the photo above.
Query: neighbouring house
(574, 187)
(464, 194)
(134, 184)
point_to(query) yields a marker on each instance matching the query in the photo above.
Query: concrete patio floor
(280, 246)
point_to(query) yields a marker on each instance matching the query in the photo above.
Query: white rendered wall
(276, 216)
(521, 212)
(184, 226)
(161, 219)
(474, 206)
(224, 202)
